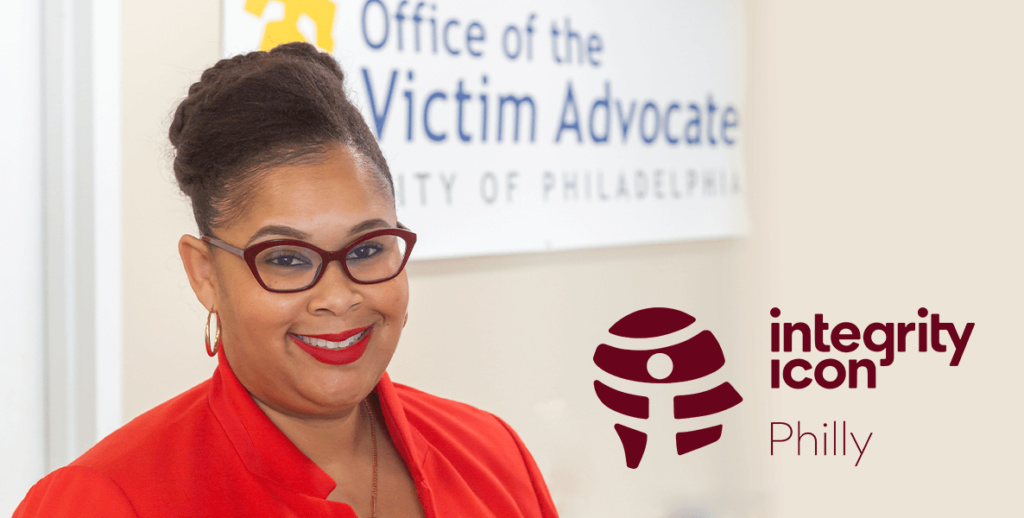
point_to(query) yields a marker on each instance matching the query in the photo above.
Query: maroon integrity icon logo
(691, 359)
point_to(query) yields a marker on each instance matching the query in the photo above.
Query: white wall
(81, 214)
(60, 364)
(166, 46)
(23, 434)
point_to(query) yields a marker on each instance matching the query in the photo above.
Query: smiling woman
(301, 264)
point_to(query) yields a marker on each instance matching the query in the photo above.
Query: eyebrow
(281, 230)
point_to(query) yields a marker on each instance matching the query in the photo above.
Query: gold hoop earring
(216, 337)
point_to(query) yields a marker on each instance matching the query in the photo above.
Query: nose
(334, 292)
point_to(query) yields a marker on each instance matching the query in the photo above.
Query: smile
(336, 349)
(327, 344)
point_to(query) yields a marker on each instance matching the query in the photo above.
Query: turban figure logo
(691, 359)
(286, 30)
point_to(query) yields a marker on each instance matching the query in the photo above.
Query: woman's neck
(334, 443)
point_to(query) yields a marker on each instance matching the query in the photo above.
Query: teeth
(320, 342)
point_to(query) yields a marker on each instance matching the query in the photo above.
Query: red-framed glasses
(290, 265)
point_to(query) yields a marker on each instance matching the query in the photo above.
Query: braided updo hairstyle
(261, 110)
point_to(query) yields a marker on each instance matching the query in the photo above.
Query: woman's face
(321, 204)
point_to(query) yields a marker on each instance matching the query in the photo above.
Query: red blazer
(212, 452)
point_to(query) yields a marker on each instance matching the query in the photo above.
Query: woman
(301, 265)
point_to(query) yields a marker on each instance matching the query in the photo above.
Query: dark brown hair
(257, 111)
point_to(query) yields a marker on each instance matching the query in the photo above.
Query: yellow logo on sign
(287, 30)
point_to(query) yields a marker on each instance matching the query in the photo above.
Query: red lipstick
(337, 356)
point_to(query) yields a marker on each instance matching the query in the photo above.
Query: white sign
(529, 126)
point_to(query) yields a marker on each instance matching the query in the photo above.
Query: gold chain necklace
(373, 439)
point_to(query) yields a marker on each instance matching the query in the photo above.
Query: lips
(338, 337)
(331, 348)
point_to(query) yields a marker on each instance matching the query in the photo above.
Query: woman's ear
(195, 256)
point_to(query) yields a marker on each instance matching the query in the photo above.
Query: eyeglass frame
(249, 253)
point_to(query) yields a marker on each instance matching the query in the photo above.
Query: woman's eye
(365, 251)
(287, 260)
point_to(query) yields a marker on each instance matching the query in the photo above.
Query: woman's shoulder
(104, 480)
(75, 491)
(154, 433)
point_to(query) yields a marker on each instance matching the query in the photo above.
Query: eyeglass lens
(292, 267)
